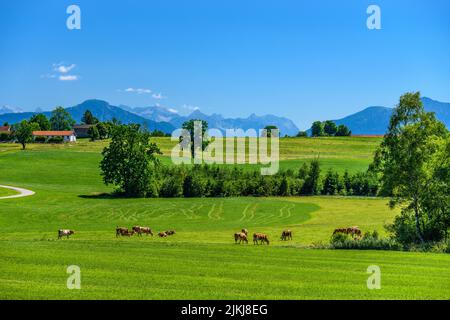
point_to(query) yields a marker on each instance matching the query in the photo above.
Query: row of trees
(329, 129)
(130, 164)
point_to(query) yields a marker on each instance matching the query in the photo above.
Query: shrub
(40, 139)
(172, 188)
(55, 140)
(5, 137)
(370, 241)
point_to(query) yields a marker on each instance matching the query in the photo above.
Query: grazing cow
(66, 233)
(245, 231)
(340, 230)
(162, 235)
(170, 232)
(260, 237)
(124, 232)
(286, 235)
(354, 231)
(241, 237)
(141, 230)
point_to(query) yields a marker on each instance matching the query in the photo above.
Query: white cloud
(138, 90)
(172, 110)
(61, 72)
(61, 68)
(68, 78)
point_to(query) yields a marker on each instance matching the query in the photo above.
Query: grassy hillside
(340, 153)
(201, 261)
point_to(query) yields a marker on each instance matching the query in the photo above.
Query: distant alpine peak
(9, 109)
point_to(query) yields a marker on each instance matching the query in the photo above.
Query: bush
(55, 140)
(370, 241)
(40, 139)
(171, 188)
(5, 137)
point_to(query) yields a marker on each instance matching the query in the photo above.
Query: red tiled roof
(52, 133)
(5, 128)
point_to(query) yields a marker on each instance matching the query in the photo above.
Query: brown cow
(170, 232)
(245, 231)
(242, 237)
(286, 235)
(141, 230)
(260, 237)
(67, 233)
(124, 232)
(162, 235)
(354, 231)
(340, 230)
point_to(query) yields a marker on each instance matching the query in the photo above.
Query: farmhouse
(5, 129)
(81, 130)
(68, 136)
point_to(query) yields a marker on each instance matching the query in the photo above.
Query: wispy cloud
(68, 78)
(172, 110)
(61, 68)
(137, 90)
(61, 72)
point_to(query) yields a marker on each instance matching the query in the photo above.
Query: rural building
(5, 129)
(68, 136)
(81, 130)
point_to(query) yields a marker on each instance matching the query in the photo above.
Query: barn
(82, 130)
(68, 136)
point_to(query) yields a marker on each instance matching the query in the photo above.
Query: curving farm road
(22, 192)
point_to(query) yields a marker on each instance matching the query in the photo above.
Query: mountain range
(375, 120)
(372, 120)
(156, 117)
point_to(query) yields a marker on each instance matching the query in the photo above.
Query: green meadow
(201, 261)
(4, 192)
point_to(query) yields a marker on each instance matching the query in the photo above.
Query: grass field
(201, 261)
(4, 192)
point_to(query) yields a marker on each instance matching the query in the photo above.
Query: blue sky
(305, 60)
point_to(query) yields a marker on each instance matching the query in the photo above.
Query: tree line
(130, 163)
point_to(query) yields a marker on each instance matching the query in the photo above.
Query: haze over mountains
(371, 120)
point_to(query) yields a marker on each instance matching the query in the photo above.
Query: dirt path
(22, 192)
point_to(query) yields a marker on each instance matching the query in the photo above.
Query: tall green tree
(42, 121)
(103, 130)
(317, 129)
(88, 118)
(269, 130)
(190, 127)
(329, 128)
(93, 133)
(412, 161)
(129, 162)
(312, 181)
(61, 119)
(23, 132)
(343, 131)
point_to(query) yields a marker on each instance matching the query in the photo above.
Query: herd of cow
(125, 232)
(259, 238)
(239, 237)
